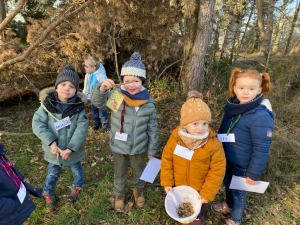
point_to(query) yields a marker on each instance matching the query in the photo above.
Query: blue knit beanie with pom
(134, 67)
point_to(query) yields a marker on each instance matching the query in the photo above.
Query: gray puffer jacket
(140, 125)
(72, 136)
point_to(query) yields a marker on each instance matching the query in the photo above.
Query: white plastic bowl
(182, 194)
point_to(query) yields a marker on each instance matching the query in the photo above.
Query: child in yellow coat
(205, 170)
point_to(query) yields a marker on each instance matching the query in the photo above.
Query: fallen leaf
(34, 159)
(29, 150)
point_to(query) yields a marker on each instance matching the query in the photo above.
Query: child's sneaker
(104, 130)
(50, 200)
(139, 199)
(74, 193)
(96, 127)
(231, 222)
(221, 208)
(119, 203)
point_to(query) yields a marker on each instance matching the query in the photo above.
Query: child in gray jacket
(62, 125)
(133, 128)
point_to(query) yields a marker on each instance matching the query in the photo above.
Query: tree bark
(241, 42)
(2, 17)
(216, 27)
(278, 33)
(287, 46)
(237, 14)
(2, 10)
(198, 32)
(265, 34)
(260, 23)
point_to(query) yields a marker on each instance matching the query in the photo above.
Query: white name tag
(88, 96)
(121, 137)
(62, 123)
(226, 138)
(183, 152)
(22, 193)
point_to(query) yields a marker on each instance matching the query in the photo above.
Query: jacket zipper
(187, 173)
(237, 146)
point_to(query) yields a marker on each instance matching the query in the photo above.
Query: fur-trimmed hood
(45, 93)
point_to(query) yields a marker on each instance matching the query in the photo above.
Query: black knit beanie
(68, 74)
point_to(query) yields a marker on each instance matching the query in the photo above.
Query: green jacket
(72, 136)
(140, 125)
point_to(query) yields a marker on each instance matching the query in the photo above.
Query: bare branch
(168, 67)
(35, 89)
(128, 6)
(9, 43)
(44, 35)
(12, 15)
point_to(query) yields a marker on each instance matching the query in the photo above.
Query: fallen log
(2, 133)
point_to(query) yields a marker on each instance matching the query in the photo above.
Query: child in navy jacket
(248, 125)
(15, 207)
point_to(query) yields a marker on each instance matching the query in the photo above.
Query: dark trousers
(100, 117)
(200, 220)
(137, 164)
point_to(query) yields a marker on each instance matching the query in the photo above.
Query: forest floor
(279, 205)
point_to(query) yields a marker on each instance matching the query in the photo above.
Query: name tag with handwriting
(226, 138)
(62, 123)
(121, 137)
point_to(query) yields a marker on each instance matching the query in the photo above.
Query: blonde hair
(263, 78)
(93, 60)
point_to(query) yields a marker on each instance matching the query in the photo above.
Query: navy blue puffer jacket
(12, 212)
(253, 128)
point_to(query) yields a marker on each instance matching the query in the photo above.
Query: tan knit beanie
(194, 109)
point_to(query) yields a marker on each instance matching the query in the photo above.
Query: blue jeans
(235, 199)
(100, 117)
(53, 174)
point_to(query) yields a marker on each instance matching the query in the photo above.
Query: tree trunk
(216, 28)
(198, 32)
(265, 34)
(244, 33)
(2, 17)
(278, 33)
(237, 14)
(2, 10)
(287, 46)
(254, 45)
(260, 22)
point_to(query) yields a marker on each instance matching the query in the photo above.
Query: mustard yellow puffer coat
(204, 172)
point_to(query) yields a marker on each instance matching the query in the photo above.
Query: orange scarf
(134, 102)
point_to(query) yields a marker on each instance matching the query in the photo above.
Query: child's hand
(150, 156)
(65, 154)
(251, 182)
(203, 200)
(168, 188)
(107, 84)
(54, 149)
